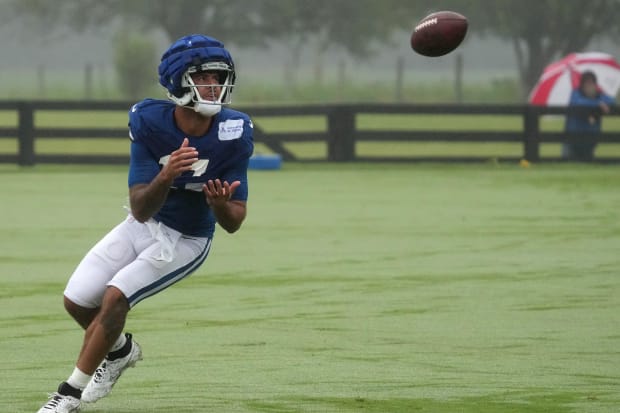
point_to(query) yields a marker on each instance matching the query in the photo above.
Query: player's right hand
(605, 108)
(180, 161)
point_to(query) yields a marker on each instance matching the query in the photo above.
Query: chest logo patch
(230, 129)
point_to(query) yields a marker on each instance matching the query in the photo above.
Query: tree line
(538, 30)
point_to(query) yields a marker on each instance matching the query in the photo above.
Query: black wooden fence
(341, 134)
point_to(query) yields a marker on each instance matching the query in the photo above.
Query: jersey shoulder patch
(233, 125)
(230, 129)
(236, 128)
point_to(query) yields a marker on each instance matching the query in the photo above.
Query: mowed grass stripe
(380, 288)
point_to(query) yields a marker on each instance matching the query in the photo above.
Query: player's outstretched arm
(147, 199)
(229, 213)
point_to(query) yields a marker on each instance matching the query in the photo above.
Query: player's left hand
(218, 192)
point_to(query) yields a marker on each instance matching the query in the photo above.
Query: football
(439, 33)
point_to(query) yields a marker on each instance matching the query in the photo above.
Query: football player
(188, 170)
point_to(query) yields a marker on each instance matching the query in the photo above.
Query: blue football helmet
(194, 54)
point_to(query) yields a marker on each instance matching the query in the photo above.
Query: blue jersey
(223, 152)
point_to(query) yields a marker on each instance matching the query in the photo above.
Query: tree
(133, 53)
(232, 20)
(355, 27)
(539, 30)
(545, 30)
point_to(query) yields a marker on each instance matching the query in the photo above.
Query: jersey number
(199, 167)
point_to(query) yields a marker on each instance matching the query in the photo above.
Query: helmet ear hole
(185, 99)
(182, 100)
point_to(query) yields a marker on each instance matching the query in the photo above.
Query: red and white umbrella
(559, 79)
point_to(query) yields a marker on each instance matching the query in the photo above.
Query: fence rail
(341, 134)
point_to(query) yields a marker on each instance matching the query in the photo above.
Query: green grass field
(351, 288)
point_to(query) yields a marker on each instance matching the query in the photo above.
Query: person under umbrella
(587, 93)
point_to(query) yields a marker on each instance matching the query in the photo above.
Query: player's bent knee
(113, 313)
(115, 305)
(83, 315)
(76, 309)
(114, 297)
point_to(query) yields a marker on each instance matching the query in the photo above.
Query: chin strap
(207, 109)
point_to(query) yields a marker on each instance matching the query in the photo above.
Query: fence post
(88, 81)
(341, 135)
(531, 129)
(400, 76)
(41, 83)
(458, 78)
(25, 134)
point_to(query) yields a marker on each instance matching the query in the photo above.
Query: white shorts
(140, 259)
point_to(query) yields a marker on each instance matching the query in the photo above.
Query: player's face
(208, 85)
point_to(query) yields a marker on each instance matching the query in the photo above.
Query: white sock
(78, 379)
(120, 342)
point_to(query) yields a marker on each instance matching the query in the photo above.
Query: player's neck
(190, 122)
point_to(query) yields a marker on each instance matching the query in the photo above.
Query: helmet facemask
(193, 98)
